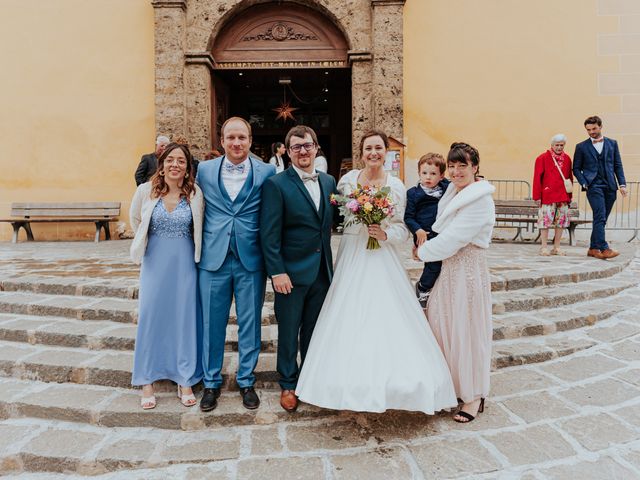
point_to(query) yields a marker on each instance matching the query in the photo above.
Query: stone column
(170, 41)
(387, 42)
(198, 102)
(362, 98)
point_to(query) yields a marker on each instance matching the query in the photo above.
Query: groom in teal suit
(295, 232)
(231, 265)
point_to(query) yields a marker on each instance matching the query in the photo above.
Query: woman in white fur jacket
(459, 307)
(166, 215)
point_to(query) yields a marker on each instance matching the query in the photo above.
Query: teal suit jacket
(295, 236)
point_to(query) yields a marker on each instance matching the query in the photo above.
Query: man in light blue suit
(231, 265)
(598, 168)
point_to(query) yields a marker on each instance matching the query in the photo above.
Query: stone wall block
(630, 63)
(626, 44)
(197, 82)
(618, 7)
(619, 83)
(170, 35)
(630, 24)
(387, 68)
(631, 103)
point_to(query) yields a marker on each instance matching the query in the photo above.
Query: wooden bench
(521, 214)
(100, 213)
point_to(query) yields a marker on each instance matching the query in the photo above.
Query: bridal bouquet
(365, 205)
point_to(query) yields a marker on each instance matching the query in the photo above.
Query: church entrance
(275, 100)
(280, 67)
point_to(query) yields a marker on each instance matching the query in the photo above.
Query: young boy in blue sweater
(421, 212)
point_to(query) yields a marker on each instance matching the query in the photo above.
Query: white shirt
(320, 164)
(312, 187)
(598, 146)
(234, 181)
(279, 166)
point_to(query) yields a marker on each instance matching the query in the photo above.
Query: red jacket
(548, 186)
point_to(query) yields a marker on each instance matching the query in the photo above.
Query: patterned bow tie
(231, 168)
(598, 141)
(306, 177)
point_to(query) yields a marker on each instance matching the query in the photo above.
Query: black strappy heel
(468, 416)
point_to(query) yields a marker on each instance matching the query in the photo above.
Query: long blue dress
(169, 319)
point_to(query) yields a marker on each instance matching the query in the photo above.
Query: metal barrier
(511, 189)
(625, 215)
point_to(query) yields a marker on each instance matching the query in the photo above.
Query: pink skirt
(459, 312)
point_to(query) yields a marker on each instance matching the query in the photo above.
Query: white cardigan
(142, 207)
(464, 217)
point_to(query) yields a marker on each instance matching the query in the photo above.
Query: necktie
(306, 177)
(598, 141)
(231, 168)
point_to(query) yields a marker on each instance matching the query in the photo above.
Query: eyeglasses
(179, 162)
(298, 147)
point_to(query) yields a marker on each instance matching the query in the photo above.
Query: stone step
(88, 308)
(113, 368)
(109, 368)
(98, 334)
(125, 310)
(538, 298)
(127, 288)
(547, 321)
(120, 407)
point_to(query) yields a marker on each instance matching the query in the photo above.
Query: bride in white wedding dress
(372, 349)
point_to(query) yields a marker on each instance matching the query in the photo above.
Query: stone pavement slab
(532, 445)
(454, 458)
(603, 468)
(598, 432)
(379, 464)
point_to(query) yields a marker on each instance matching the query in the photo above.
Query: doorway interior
(322, 99)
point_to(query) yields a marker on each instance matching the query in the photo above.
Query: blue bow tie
(231, 168)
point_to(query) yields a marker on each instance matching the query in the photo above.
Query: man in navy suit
(149, 162)
(598, 168)
(231, 265)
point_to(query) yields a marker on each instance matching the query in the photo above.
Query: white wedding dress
(372, 349)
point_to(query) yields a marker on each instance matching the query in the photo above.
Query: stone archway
(185, 39)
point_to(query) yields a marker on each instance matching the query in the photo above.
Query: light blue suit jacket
(226, 221)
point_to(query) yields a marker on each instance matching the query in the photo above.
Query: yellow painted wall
(506, 76)
(77, 90)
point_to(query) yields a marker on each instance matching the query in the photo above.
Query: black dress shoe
(209, 399)
(250, 398)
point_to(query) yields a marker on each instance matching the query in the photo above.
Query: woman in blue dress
(166, 214)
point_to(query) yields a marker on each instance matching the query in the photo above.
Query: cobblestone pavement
(570, 411)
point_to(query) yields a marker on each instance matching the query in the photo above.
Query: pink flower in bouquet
(353, 205)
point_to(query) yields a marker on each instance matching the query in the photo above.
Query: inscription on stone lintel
(279, 32)
(305, 64)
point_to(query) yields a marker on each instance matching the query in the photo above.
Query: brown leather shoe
(288, 400)
(594, 252)
(608, 253)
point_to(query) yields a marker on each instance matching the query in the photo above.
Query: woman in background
(320, 163)
(166, 215)
(276, 160)
(552, 169)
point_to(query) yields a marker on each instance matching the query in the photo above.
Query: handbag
(568, 183)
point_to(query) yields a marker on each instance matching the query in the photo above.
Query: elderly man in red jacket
(552, 180)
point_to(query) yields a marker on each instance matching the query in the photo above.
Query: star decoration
(285, 111)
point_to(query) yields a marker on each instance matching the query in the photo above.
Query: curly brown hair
(159, 187)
